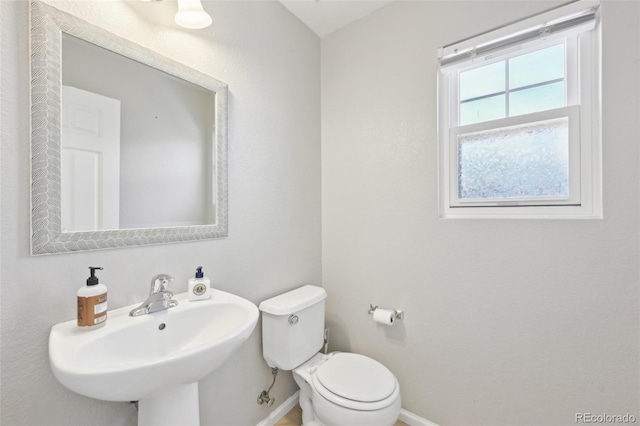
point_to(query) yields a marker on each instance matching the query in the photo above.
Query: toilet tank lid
(293, 301)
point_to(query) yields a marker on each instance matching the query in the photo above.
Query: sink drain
(162, 326)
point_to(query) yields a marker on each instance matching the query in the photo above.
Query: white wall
(271, 63)
(507, 321)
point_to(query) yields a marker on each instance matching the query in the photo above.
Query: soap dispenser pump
(199, 287)
(92, 302)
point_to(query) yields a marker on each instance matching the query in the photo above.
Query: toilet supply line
(264, 397)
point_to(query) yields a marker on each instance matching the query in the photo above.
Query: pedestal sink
(155, 359)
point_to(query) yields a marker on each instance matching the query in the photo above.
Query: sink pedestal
(177, 405)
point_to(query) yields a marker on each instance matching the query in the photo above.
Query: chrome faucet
(160, 298)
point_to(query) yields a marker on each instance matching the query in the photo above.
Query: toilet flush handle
(293, 319)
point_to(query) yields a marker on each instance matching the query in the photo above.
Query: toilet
(337, 388)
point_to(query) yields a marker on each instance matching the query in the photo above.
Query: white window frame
(582, 51)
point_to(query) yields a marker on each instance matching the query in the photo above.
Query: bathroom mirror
(128, 147)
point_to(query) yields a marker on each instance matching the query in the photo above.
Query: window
(519, 119)
(518, 85)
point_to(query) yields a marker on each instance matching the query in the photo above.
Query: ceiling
(327, 16)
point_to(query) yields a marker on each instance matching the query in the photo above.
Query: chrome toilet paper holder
(396, 313)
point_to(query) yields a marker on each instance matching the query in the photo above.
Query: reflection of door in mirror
(90, 161)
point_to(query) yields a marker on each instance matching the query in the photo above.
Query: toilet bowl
(338, 388)
(347, 389)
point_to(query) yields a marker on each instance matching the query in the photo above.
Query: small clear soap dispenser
(199, 287)
(92, 302)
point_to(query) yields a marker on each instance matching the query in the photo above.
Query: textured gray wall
(271, 62)
(508, 322)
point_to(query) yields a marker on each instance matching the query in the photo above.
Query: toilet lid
(356, 377)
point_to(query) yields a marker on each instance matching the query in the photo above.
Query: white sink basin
(137, 358)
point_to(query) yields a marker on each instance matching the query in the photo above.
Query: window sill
(524, 212)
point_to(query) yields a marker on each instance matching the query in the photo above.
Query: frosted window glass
(526, 161)
(482, 81)
(536, 67)
(540, 98)
(481, 110)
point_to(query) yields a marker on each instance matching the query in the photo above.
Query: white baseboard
(413, 419)
(280, 411)
(277, 414)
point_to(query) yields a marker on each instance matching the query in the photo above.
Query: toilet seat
(355, 381)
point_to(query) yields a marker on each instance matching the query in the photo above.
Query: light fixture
(191, 15)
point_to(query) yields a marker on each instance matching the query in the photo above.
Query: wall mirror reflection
(128, 146)
(136, 144)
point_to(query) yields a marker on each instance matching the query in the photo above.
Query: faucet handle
(160, 283)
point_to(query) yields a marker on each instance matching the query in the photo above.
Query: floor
(294, 418)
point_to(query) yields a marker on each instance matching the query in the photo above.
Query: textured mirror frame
(47, 26)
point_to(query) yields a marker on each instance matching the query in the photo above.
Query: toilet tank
(293, 326)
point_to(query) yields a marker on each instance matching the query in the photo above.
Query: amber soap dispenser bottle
(92, 302)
